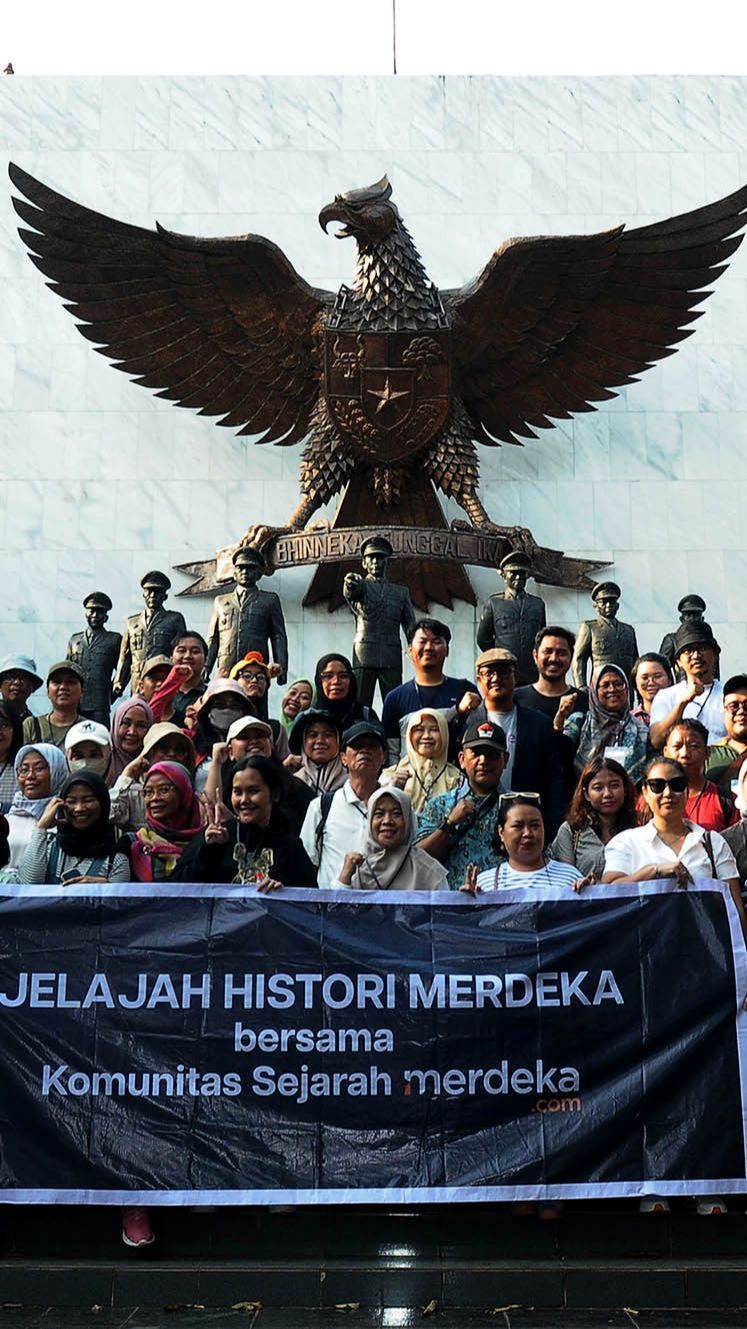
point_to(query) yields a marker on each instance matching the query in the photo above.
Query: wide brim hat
(20, 664)
(694, 634)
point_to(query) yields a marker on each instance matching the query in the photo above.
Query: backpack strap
(709, 850)
(325, 804)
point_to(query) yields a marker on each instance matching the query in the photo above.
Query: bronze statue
(151, 632)
(391, 382)
(247, 619)
(511, 618)
(381, 609)
(691, 609)
(604, 640)
(96, 651)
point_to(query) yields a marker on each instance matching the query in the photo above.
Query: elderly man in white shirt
(337, 825)
(701, 696)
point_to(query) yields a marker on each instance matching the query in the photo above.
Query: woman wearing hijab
(425, 770)
(255, 847)
(337, 691)
(315, 751)
(163, 742)
(172, 820)
(608, 730)
(74, 840)
(11, 739)
(41, 770)
(390, 861)
(300, 696)
(132, 720)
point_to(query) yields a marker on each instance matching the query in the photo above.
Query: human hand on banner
(49, 816)
(267, 884)
(581, 882)
(470, 883)
(681, 875)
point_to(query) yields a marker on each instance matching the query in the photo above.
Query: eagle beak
(329, 214)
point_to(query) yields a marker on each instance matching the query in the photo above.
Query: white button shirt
(634, 849)
(344, 833)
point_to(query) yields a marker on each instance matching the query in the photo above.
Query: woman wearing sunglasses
(669, 846)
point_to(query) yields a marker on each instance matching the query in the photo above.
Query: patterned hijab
(167, 839)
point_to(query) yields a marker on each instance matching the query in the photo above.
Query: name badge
(616, 754)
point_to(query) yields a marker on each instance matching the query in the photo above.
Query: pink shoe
(136, 1228)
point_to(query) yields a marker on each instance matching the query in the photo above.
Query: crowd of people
(461, 785)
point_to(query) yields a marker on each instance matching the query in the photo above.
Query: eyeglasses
(676, 783)
(614, 683)
(328, 678)
(495, 671)
(516, 795)
(734, 707)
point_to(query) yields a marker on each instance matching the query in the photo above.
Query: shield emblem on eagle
(388, 393)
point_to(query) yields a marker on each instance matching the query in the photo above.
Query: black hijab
(98, 840)
(349, 709)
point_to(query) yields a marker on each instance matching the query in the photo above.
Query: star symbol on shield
(387, 395)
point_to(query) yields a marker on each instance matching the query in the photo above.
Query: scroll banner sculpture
(341, 1047)
(391, 382)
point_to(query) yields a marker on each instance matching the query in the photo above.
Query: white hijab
(426, 776)
(405, 868)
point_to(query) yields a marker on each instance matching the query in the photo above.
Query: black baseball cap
(484, 735)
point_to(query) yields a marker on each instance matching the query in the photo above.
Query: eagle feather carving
(227, 328)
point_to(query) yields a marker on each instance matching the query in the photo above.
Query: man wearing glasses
(726, 757)
(534, 752)
(701, 696)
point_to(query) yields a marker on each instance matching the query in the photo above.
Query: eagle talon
(260, 535)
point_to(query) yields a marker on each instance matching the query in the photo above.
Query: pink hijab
(120, 759)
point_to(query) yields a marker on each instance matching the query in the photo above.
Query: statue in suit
(247, 619)
(604, 639)
(96, 651)
(151, 632)
(381, 609)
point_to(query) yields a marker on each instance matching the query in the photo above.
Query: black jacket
(290, 864)
(538, 766)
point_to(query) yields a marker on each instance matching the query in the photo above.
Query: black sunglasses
(677, 784)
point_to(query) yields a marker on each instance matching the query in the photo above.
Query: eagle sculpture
(390, 382)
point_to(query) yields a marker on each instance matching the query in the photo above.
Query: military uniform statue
(150, 633)
(247, 619)
(603, 639)
(381, 609)
(691, 609)
(96, 651)
(511, 619)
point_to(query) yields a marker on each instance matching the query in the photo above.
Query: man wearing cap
(511, 618)
(336, 823)
(18, 679)
(535, 760)
(459, 827)
(247, 619)
(88, 747)
(725, 757)
(700, 696)
(381, 609)
(604, 640)
(151, 632)
(96, 651)
(691, 609)
(64, 688)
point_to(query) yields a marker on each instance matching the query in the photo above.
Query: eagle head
(368, 215)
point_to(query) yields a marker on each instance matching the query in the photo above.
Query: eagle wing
(223, 326)
(553, 323)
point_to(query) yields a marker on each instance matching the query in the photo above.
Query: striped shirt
(552, 874)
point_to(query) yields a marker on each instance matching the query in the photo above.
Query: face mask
(223, 719)
(97, 765)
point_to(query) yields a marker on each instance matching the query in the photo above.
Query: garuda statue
(391, 382)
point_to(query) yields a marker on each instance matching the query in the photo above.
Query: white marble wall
(101, 481)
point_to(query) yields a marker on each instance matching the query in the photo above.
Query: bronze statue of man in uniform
(151, 632)
(381, 609)
(247, 619)
(604, 640)
(511, 619)
(96, 651)
(691, 609)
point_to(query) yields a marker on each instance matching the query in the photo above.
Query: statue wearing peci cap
(512, 618)
(691, 609)
(247, 619)
(381, 610)
(604, 639)
(96, 651)
(151, 632)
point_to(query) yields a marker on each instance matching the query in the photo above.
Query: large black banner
(209, 1045)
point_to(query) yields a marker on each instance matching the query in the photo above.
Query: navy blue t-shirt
(410, 697)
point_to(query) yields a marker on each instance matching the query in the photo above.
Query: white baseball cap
(246, 722)
(88, 731)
